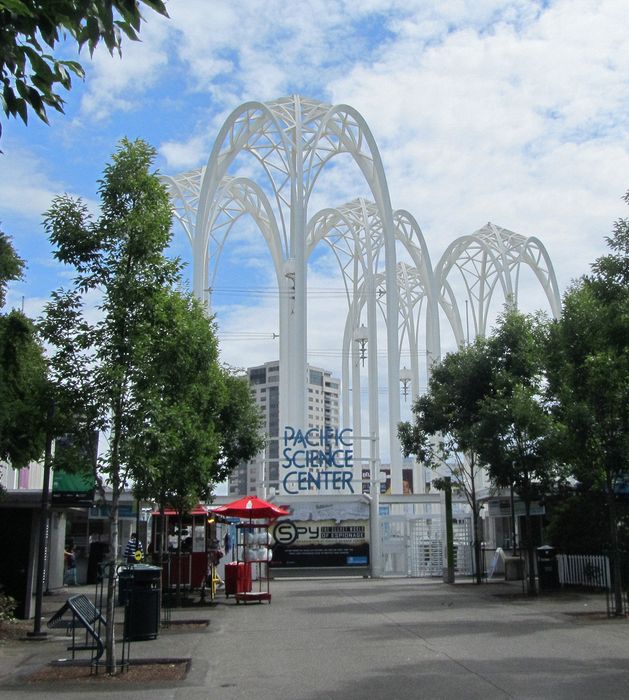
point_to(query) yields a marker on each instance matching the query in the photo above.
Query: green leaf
(40, 64)
(128, 30)
(63, 76)
(22, 109)
(21, 88)
(74, 66)
(93, 33)
(16, 6)
(158, 6)
(36, 103)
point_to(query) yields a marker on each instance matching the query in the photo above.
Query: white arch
(492, 257)
(235, 198)
(292, 140)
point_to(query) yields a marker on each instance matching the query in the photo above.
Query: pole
(374, 509)
(37, 632)
(448, 571)
(513, 529)
(137, 528)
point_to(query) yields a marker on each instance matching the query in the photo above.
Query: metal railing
(591, 570)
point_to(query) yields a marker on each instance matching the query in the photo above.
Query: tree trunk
(531, 588)
(613, 534)
(110, 639)
(478, 564)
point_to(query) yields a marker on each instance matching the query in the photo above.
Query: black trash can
(547, 568)
(139, 592)
(125, 584)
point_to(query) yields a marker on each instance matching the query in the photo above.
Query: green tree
(195, 424)
(198, 420)
(143, 368)
(570, 522)
(29, 29)
(11, 266)
(23, 385)
(589, 378)
(98, 355)
(445, 423)
(175, 435)
(241, 423)
(518, 434)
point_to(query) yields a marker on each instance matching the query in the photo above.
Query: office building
(262, 474)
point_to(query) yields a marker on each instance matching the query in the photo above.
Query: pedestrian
(69, 560)
(133, 545)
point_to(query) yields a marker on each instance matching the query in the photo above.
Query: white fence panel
(584, 570)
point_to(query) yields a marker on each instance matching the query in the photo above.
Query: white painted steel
(412, 545)
(286, 144)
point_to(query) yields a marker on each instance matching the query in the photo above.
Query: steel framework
(291, 140)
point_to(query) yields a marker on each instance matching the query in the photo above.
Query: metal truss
(283, 147)
(265, 164)
(488, 260)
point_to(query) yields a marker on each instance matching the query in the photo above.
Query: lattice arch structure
(355, 235)
(286, 144)
(487, 261)
(291, 140)
(236, 197)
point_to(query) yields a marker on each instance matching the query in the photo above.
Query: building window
(257, 375)
(316, 377)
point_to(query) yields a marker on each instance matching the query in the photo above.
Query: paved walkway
(346, 639)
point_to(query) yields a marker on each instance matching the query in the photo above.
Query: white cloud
(118, 84)
(182, 155)
(524, 125)
(26, 187)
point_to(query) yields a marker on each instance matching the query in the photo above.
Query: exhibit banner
(322, 535)
(72, 489)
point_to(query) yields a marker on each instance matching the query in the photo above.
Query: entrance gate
(412, 545)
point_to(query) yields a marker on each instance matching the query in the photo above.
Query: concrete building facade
(262, 475)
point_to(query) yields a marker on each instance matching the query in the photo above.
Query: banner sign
(72, 489)
(318, 459)
(502, 509)
(327, 536)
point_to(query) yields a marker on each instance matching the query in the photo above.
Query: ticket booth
(188, 548)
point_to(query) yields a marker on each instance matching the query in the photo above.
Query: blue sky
(508, 111)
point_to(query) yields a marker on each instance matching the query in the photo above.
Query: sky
(509, 111)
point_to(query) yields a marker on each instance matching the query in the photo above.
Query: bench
(58, 621)
(84, 614)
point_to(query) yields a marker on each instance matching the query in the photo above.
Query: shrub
(7, 607)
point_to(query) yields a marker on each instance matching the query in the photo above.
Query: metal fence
(591, 570)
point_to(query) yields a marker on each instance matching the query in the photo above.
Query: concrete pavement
(346, 639)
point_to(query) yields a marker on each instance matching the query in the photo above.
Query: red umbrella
(251, 507)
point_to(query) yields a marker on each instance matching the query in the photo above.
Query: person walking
(133, 545)
(69, 560)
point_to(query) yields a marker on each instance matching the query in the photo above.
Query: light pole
(37, 632)
(375, 555)
(406, 377)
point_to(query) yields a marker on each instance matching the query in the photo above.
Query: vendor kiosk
(188, 547)
(247, 578)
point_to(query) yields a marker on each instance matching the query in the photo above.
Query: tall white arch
(236, 197)
(490, 259)
(289, 142)
(292, 140)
